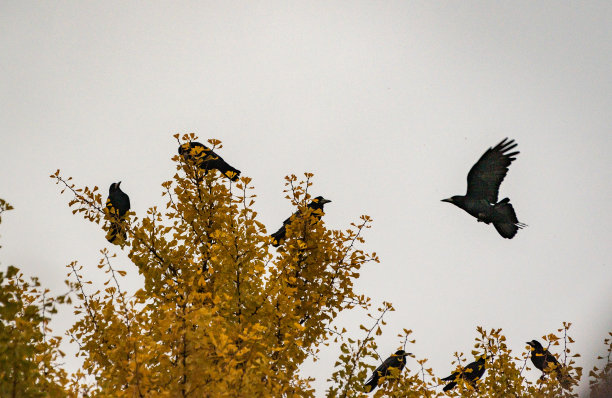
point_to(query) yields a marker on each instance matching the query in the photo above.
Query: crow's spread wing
(487, 174)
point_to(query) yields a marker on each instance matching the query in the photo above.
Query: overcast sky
(388, 103)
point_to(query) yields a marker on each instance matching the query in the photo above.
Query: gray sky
(388, 103)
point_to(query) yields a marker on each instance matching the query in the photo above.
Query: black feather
(483, 181)
(317, 212)
(117, 205)
(206, 159)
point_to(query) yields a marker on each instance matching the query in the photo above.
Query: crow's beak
(323, 201)
(449, 200)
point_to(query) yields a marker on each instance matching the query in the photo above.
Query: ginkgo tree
(29, 354)
(219, 314)
(222, 314)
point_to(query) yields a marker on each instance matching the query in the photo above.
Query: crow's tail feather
(371, 384)
(114, 231)
(449, 386)
(506, 222)
(230, 172)
(278, 236)
(565, 379)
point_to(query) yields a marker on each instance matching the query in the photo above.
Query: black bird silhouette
(206, 159)
(397, 360)
(547, 363)
(471, 373)
(317, 211)
(483, 182)
(117, 204)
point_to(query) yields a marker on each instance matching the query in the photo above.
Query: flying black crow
(117, 204)
(206, 159)
(483, 182)
(471, 373)
(317, 211)
(547, 363)
(397, 360)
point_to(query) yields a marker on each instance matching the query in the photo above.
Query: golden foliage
(220, 314)
(601, 383)
(28, 354)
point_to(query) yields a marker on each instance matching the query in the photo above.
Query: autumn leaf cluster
(221, 313)
(28, 353)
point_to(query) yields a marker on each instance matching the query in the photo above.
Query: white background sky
(388, 103)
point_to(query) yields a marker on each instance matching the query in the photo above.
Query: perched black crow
(546, 362)
(317, 211)
(206, 159)
(397, 360)
(117, 204)
(484, 180)
(471, 373)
